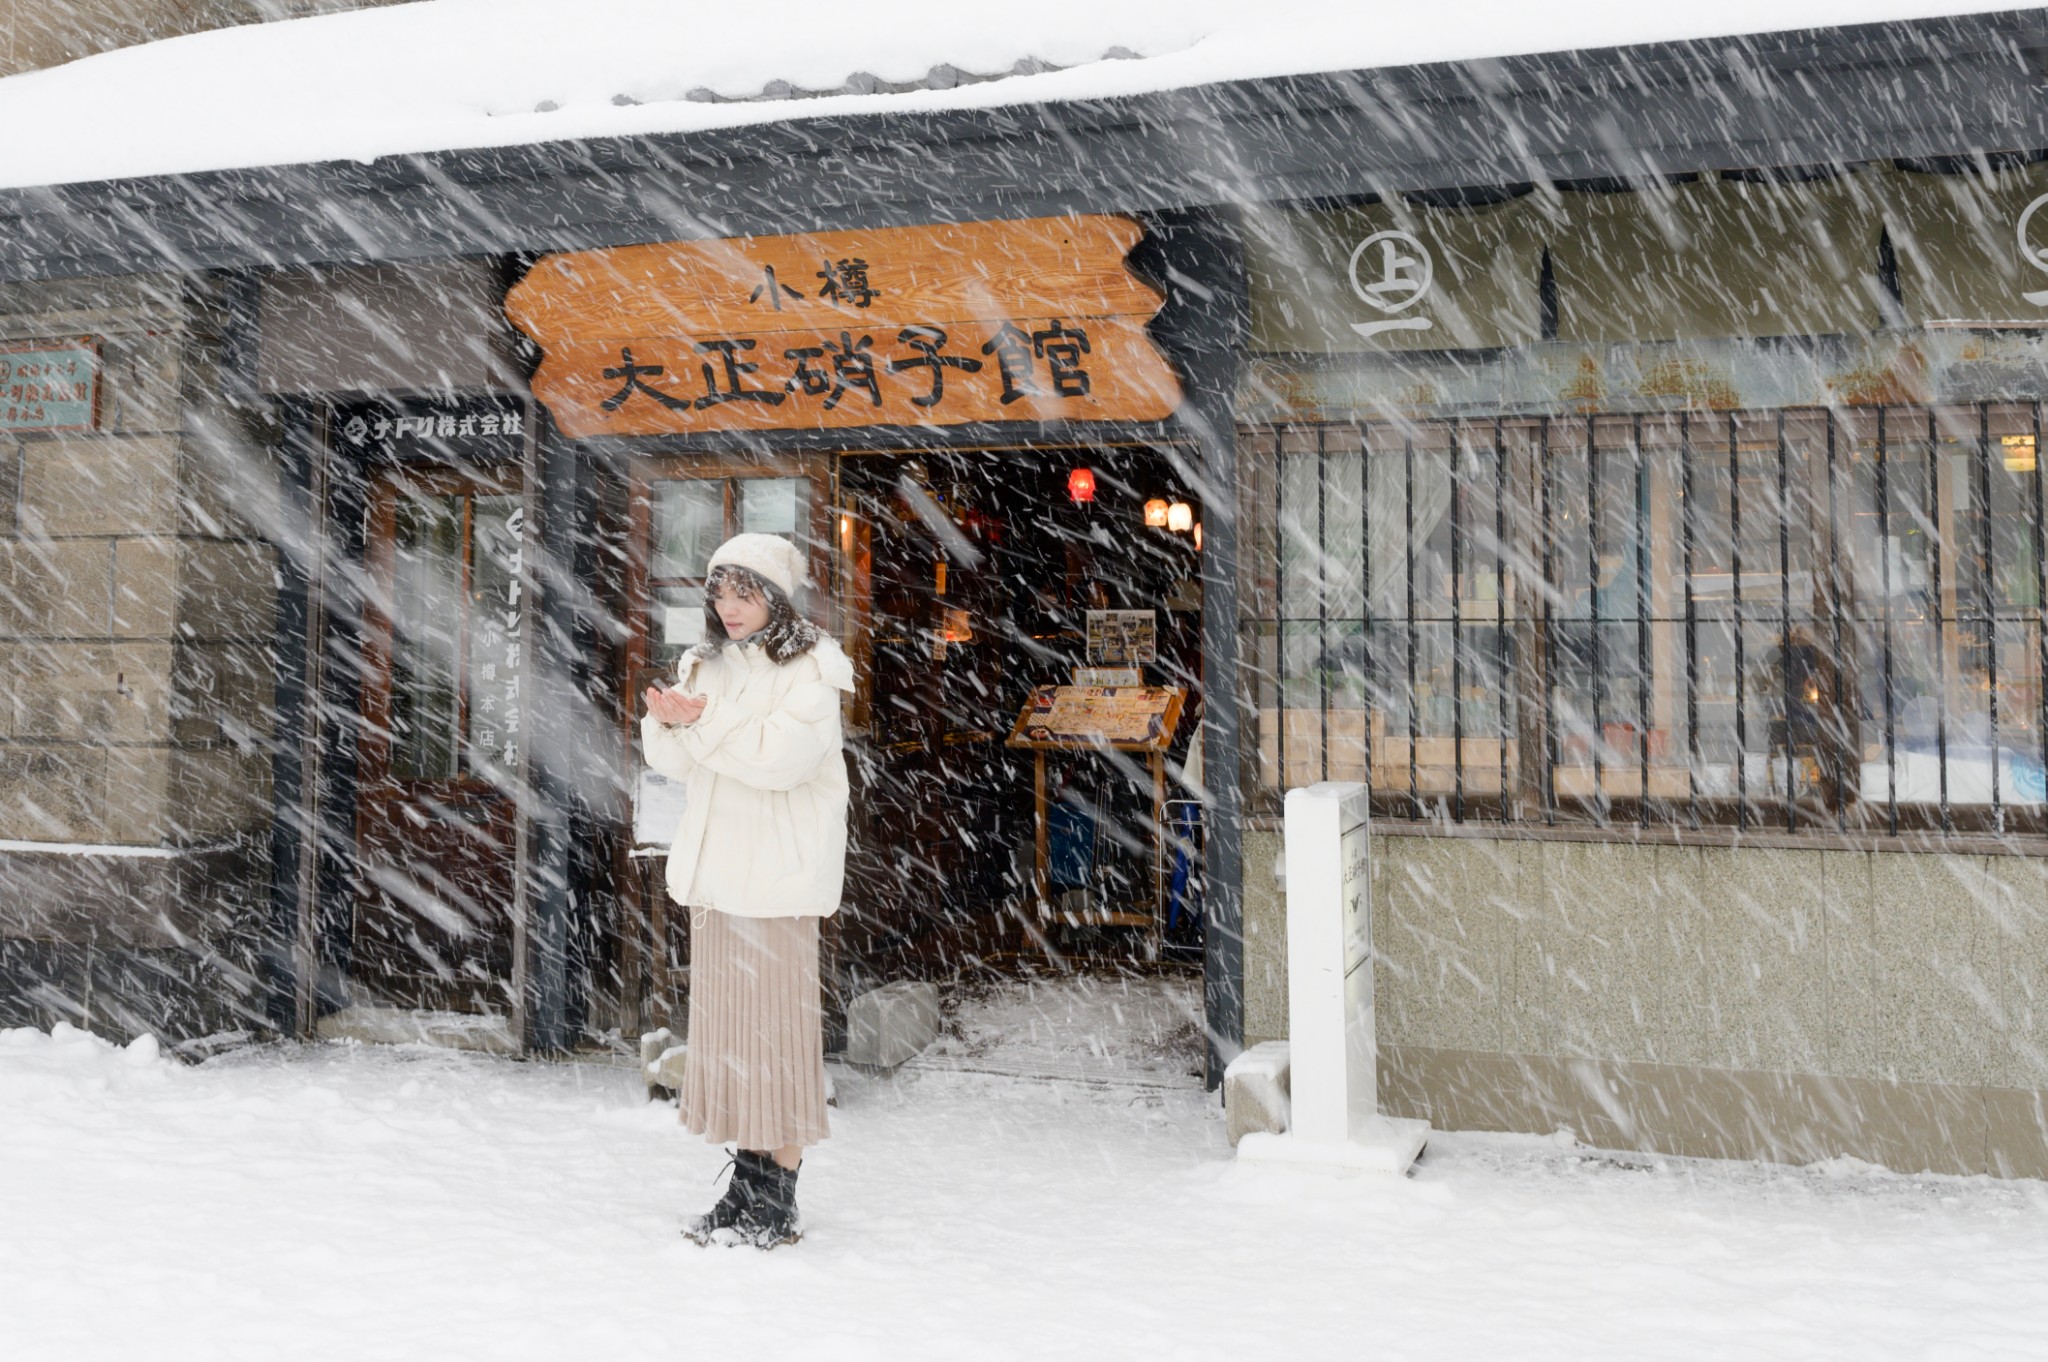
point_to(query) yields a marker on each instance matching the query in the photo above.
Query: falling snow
(1697, 508)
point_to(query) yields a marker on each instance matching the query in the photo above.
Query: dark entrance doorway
(440, 741)
(972, 574)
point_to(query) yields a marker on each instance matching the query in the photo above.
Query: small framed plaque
(50, 384)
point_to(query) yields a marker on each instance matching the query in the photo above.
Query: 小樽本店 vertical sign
(1030, 320)
(49, 384)
(496, 674)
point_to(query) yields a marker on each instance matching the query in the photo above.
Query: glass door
(682, 510)
(690, 512)
(441, 741)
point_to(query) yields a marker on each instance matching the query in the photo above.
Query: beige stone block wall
(1265, 940)
(136, 608)
(56, 589)
(135, 598)
(1748, 1002)
(98, 485)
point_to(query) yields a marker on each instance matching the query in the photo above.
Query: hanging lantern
(1081, 485)
(1198, 536)
(1180, 517)
(1155, 514)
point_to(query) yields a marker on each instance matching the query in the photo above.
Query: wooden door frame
(378, 647)
(645, 934)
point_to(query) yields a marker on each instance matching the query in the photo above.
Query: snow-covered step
(1052, 1069)
(488, 1034)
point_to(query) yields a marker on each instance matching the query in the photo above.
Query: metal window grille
(1799, 620)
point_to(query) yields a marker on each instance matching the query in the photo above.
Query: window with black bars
(1799, 620)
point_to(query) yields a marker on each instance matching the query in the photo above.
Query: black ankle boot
(732, 1208)
(770, 1221)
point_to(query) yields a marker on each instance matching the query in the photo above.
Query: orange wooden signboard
(1032, 320)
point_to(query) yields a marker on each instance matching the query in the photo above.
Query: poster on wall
(1122, 638)
(658, 808)
(50, 384)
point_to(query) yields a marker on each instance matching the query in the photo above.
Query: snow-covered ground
(358, 1203)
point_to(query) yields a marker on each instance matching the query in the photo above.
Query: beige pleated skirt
(755, 1076)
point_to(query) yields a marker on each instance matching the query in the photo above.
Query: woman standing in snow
(752, 725)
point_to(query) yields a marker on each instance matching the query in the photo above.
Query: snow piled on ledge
(445, 74)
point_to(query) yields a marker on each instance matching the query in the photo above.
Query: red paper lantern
(1081, 485)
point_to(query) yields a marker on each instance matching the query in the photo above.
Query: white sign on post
(1332, 1054)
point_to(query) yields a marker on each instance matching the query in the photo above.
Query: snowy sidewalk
(363, 1203)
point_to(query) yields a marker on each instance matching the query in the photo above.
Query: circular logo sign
(2029, 252)
(1391, 270)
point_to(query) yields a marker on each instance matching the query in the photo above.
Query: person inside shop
(752, 725)
(1815, 733)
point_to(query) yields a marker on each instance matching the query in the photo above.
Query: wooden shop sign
(1033, 320)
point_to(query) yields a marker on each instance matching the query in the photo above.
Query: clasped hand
(674, 707)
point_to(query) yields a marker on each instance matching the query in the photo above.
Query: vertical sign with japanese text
(494, 660)
(1036, 320)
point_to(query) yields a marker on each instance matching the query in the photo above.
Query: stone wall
(1733, 1002)
(136, 606)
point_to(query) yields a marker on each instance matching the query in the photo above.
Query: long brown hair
(786, 635)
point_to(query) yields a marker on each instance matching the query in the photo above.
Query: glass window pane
(1303, 674)
(2015, 476)
(1715, 695)
(1775, 606)
(689, 525)
(1393, 500)
(1433, 489)
(426, 617)
(1343, 527)
(1301, 559)
(2022, 756)
(776, 506)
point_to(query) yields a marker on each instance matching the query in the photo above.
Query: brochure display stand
(1121, 723)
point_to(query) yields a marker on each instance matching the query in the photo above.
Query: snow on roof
(441, 75)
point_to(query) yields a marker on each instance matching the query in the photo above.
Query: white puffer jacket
(764, 831)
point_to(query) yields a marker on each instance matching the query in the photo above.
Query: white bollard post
(1333, 1054)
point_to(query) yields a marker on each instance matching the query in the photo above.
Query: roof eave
(1920, 87)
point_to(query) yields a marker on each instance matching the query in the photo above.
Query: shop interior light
(1081, 485)
(1155, 514)
(2020, 454)
(1198, 536)
(1180, 517)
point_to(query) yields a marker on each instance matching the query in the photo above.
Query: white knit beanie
(769, 556)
